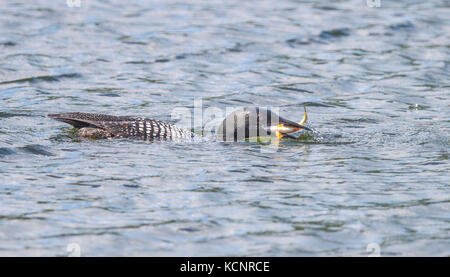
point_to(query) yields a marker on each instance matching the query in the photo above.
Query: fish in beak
(286, 126)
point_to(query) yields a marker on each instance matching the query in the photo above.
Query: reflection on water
(374, 80)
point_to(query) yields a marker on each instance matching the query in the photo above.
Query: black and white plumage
(240, 125)
(99, 126)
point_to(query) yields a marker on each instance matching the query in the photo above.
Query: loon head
(251, 122)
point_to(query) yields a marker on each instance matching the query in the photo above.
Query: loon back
(98, 126)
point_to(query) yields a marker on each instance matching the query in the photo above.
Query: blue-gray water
(375, 82)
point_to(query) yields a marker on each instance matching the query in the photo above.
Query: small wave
(8, 44)
(7, 114)
(324, 37)
(36, 149)
(334, 34)
(236, 48)
(294, 89)
(4, 151)
(44, 78)
(402, 26)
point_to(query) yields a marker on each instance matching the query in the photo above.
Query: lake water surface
(375, 81)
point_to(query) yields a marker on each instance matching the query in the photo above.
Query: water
(375, 82)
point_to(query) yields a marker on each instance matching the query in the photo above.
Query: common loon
(241, 124)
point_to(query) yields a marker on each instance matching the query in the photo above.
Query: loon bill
(241, 124)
